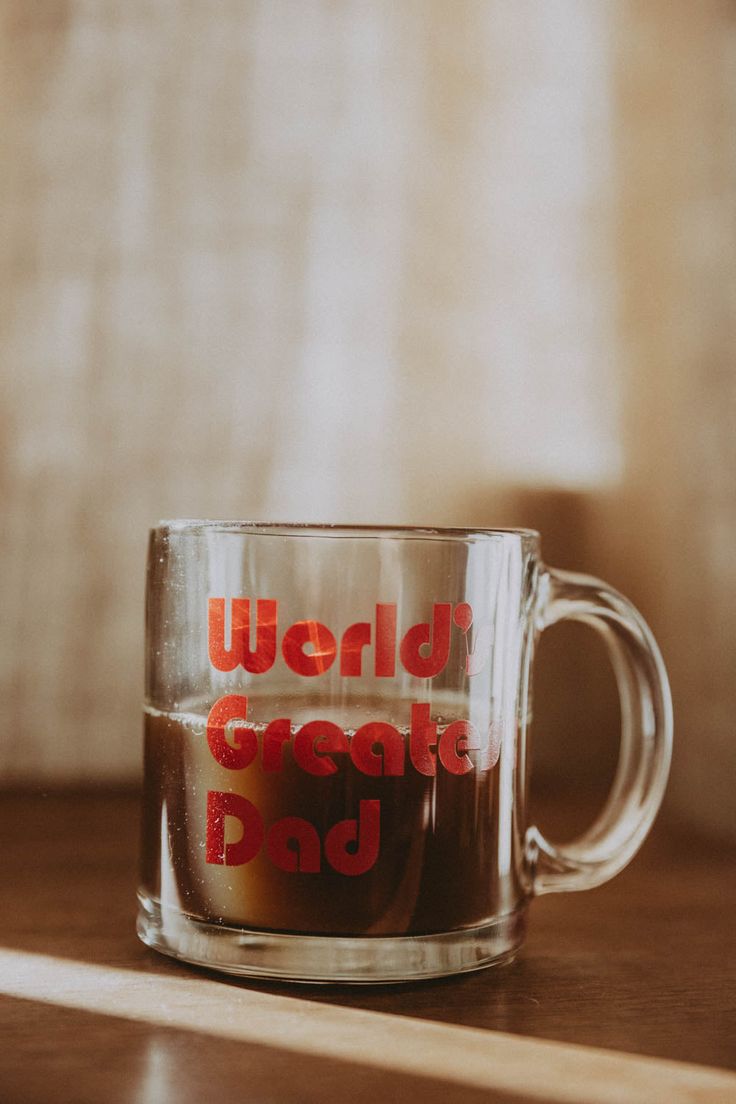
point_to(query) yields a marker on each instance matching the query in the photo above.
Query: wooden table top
(645, 966)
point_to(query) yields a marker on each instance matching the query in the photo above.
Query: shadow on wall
(576, 714)
(663, 566)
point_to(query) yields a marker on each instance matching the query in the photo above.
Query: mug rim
(200, 526)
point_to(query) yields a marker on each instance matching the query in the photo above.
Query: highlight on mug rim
(199, 526)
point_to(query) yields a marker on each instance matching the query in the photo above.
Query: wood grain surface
(645, 966)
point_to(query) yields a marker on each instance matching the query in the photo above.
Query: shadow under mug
(336, 746)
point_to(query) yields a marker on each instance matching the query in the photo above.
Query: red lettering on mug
(389, 760)
(244, 747)
(305, 856)
(314, 741)
(385, 658)
(219, 806)
(457, 739)
(309, 648)
(277, 734)
(324, 648)
(351, 846)
(377, 748)
(435, 636)
(354, 639)
(292, 843)
(239, 653)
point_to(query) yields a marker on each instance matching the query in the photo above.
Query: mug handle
(646, 736)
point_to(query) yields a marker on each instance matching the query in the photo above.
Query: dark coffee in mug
(274, 845)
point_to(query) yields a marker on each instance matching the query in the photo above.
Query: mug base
(310, 959)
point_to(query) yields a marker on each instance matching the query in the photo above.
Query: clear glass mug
(336, 747)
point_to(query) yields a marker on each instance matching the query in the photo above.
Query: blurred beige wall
(465, 262)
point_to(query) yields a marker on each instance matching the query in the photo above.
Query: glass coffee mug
(336, 747)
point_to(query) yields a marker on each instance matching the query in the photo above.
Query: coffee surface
(436, 867)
